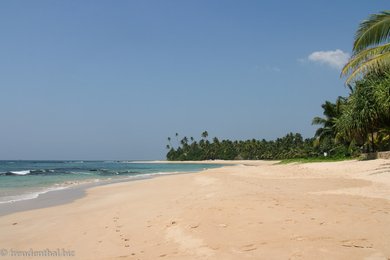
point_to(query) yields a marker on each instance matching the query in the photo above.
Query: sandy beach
(254, 210)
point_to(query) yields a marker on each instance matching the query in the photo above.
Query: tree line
(293, 145)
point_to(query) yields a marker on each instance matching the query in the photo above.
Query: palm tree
(371, 48)
(332, 111)
(361, 117)
(205, 134)
(184, 141)
(177, 139)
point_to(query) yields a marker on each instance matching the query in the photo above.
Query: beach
(249, 210)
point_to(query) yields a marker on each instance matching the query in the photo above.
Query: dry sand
(256, 210)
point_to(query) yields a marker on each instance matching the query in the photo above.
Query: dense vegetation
(353, 124)
(361, 121)
(289, 146)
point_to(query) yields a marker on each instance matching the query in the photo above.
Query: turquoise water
(21, 180)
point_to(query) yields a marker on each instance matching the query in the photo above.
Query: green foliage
(366, 114)
(359, 122)
(326, 134)
(289, 146)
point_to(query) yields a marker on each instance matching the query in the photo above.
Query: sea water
(22, 180)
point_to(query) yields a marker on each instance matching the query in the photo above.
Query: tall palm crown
(371, 48)
(332, 111)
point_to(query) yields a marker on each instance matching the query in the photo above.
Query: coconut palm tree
(332, 111)
(371, 48)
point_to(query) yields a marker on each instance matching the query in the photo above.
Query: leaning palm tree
(371, 48)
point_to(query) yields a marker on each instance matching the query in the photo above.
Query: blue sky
(114, 79)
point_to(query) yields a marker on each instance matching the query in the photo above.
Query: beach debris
(194, 226)
(222, 225)
(173, 222)
(15, 223)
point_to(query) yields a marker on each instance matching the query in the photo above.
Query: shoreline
(60, 194)
(258, 210)
(45, 200)
(65, 195)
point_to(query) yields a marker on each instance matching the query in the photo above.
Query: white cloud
(335, 59)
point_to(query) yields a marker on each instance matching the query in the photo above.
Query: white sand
(256, 210)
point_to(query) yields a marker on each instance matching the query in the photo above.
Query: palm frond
(364, 55)
(375, 64)
(373, 31)
(318, 121)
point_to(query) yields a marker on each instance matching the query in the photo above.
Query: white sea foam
(154, 174)
(29, 196)
(68, 184)
(21, 172)
(136, 162)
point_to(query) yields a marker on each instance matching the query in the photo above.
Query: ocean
(23, 180)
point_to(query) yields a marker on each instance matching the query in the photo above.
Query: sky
(98, 80)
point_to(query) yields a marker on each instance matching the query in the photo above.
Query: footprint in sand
(118, 230)
(249, 247)
(357, 243)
